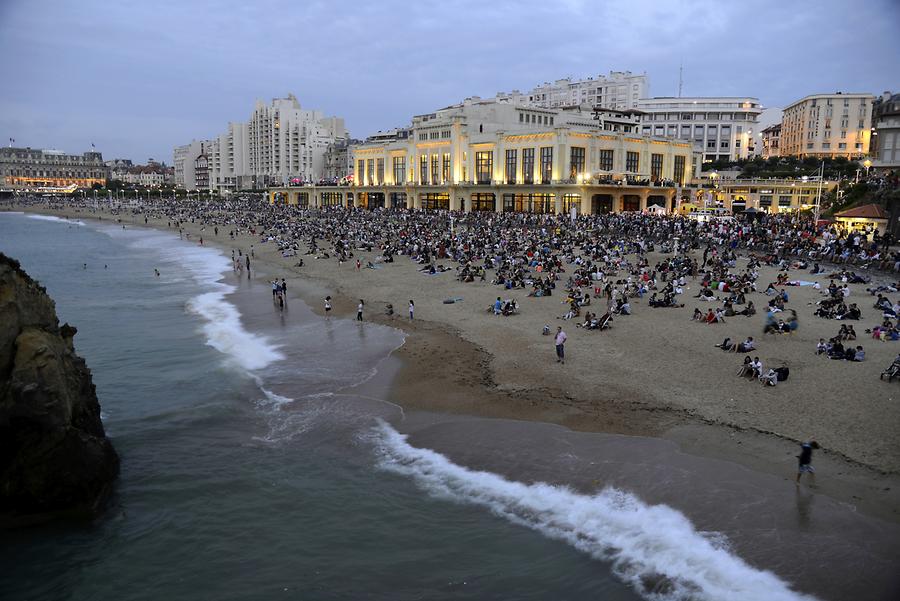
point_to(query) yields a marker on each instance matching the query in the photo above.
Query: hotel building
(721, 128)
(500, 155)
(29, 168)
(280, 142)
(827, 125)
(886, 132)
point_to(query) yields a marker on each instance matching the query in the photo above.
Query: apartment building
(828, 125)
(620, 90)
(280, 142)
(885, 141)
(720, 128)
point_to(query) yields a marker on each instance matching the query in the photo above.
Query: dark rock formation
(54, 455)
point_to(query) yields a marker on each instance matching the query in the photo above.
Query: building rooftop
(870, 211)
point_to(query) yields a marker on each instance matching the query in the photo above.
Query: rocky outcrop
(54, 455)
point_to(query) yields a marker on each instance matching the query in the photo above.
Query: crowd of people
(603, 259)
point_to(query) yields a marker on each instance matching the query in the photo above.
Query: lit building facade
(767, 195)
(30, 168)
(886, 132)
(827, 125)
(495, 155)
(720, 128)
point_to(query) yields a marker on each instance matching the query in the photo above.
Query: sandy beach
(655, 373)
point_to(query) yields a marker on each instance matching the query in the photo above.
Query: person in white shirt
(560, 340)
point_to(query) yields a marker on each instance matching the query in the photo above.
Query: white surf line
(653, 548)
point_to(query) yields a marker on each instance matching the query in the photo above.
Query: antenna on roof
(680, 80)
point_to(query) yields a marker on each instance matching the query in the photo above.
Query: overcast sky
(137, 78)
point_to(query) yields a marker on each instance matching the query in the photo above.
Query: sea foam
(653, 548)
(222, 328)
(54, 218)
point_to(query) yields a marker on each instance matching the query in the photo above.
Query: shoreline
(470, 384)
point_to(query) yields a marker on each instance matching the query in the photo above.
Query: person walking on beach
(560, 341)
(359, 310)
(805, 458)
(284, 289)
(327, 307)
(412, 309)
(248, 266)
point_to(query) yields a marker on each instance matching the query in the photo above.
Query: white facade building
(721, 128)
(184, 160)
(286, 141)
(620, 90)
(280, 142)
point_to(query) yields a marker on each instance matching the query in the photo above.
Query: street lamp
(867, 163)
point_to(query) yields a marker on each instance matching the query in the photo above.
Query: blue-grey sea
(254, 468)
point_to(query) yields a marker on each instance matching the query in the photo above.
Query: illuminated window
(511, 160)
(435, 200)
(483, 202)
(576, 161)
(435, 169)
(528, 165)
(445, 167)
(570, 201)
(546, 164)
(399, 169)
(423, 169)
(484, 165)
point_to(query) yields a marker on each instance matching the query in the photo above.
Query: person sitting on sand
(821, 347)
(698, 314)
(770, 378)
(745, 346)
(746, 369)
(757, 367)
(749, 310)
(726, 345)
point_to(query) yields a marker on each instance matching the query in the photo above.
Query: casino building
(503, 154)
(29, 169)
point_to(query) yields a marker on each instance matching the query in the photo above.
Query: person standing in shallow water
(327, 307)
(412, 309)
(359, 310)
(805, 458)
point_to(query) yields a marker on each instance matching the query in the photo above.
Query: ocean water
(254, 466)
